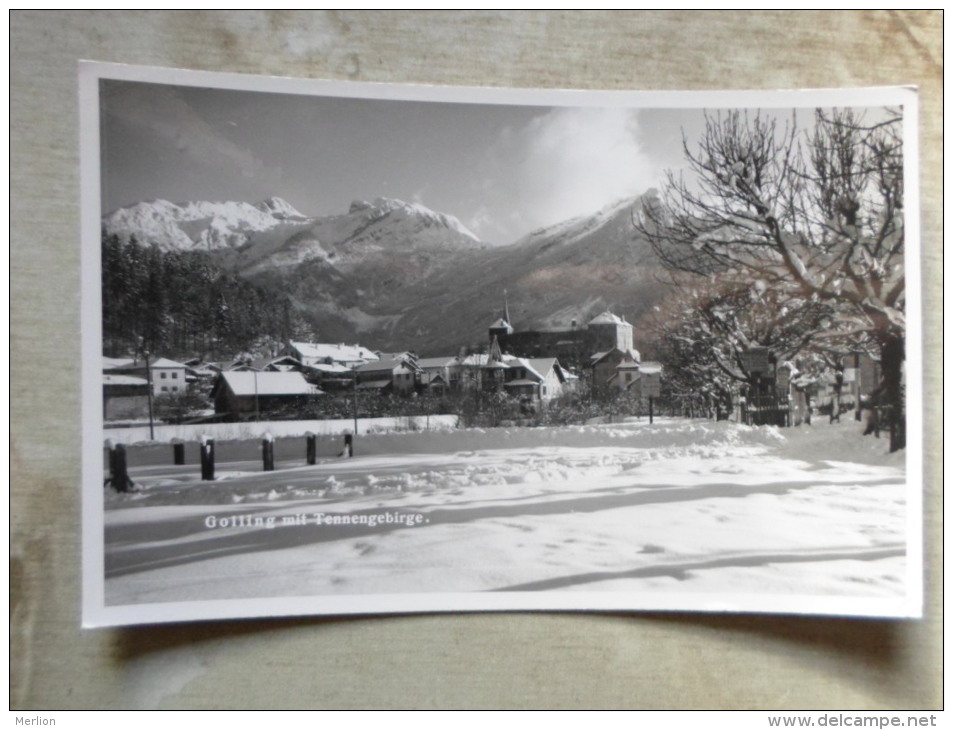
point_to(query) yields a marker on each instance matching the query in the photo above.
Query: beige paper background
(647, 661)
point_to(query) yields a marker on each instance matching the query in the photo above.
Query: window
(163, 375)
(164, 388)
(175, 376)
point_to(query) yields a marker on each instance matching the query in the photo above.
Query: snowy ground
(678, 506)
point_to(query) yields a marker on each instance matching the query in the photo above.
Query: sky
(502, 170)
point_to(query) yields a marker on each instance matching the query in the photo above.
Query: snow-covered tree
(704, 330)
(816, 215)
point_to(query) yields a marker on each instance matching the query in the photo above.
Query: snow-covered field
(675, 507)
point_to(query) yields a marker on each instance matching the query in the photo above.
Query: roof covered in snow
(164, 362)
(268, 383)
(630, 354)
(431, 363)
(338, 353)
(607, 317)
(382, 365)
(542, 365)
(333, 368)
(124, 380)
(115, 363)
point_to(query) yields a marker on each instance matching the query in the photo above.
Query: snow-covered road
(677, 506)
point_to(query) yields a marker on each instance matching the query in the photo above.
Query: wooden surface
(649, 661)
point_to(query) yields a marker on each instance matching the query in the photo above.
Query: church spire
(495, 354)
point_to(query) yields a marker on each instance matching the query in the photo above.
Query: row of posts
(119, 470)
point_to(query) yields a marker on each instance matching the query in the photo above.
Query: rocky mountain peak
(280, 208)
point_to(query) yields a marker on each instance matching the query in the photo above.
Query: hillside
(395, 275)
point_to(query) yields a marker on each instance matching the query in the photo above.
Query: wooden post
(120, 473)
(651, 407)
(207, 453)
(178, 452)
(152, 430)
(312, 449)
(857, 416)
(111, 453)
(268, 452)
(348, 445)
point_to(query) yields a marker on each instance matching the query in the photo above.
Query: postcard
(373, 349)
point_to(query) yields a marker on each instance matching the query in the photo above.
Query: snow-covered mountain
(381, 230)
(202, 225)
(570, 271)
(397, 275)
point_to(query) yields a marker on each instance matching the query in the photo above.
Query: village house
(533, 379)
(385, 376)
(466, 373)
(330, 377)
(168, 377)
(280, 364)
(435, 372)
(125, 397)
(246, 392)
(540, 379)
(615, 368)
(197, 370)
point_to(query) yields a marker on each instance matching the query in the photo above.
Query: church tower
(607, 332)
(501, 328)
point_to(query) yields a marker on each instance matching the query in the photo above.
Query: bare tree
(816, 214)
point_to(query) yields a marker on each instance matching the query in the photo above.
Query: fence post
(207, 453)
(178, 452)
(268, 452)
(311, 451)
(348, 445)
(119, 473)
(111, 451)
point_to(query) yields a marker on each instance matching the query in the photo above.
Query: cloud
(170, 123)
(566, 163)
(480, 222)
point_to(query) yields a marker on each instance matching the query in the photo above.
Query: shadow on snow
(122, 558)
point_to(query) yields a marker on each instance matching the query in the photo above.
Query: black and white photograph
(360, 348)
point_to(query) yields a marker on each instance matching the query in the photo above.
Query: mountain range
(398, 276)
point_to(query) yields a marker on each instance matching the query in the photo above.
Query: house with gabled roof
(614, 368)
(280, 364)
(466, 373)
(540, 379)
(399, 376)
(168, 377)
(243, 392)
(125, 397)
(435, 372)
